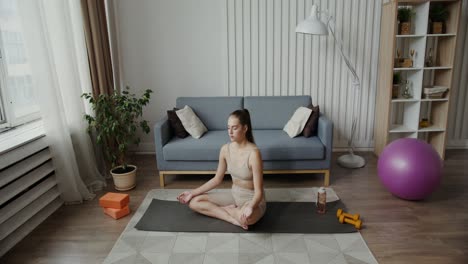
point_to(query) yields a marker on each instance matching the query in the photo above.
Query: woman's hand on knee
(246, 213)
(185, 197)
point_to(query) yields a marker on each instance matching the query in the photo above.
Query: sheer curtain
(53, 31)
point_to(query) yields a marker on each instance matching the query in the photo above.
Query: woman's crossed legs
(203, 204)
(224, 206)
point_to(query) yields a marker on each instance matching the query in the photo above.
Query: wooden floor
(396, 231)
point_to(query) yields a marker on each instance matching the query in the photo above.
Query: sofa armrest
(162, 134)
(325, 134)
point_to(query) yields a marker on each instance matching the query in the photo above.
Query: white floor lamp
(314, 26)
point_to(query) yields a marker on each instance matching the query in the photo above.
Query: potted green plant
(404, 16)
(438, 14)
(116, 121)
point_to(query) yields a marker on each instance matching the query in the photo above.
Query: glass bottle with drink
(321, 200)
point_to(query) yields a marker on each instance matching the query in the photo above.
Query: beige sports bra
(239, 171)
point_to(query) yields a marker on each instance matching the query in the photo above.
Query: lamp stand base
(351, 161)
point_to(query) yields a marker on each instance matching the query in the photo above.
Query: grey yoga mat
(280, 217)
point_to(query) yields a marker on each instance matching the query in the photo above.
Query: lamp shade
(312, 25)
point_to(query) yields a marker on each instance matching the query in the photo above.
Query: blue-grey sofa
(280, 153)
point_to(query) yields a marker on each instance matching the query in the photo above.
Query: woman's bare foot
(235, 222)
(229, 206)
(232, 211)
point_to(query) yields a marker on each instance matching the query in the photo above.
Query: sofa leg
(161, 179)
(327, 178)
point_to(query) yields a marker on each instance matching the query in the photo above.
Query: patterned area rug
(134, 246)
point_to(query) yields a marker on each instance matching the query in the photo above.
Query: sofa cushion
(297, 122)
(212, 111)
(277, 145)
(311, 127)
(191, 122)
(190, 149)
(176, 124)
(273, 112)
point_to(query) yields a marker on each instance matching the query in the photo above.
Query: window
(18, 95)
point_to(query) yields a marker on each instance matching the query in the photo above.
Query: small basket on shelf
(403, 63)
(400, 62)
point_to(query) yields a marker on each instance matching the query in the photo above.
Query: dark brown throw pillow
(311, 126)
(176, 124)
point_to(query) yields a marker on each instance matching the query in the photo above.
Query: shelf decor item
(404, 16)
(314, 26)
(398, 60)
(438, 14)
(435, 92)
(424, 123)
(429, 61)
(413, 56)
(407, 91)
(404, 62)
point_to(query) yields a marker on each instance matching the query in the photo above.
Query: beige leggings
(239, 196)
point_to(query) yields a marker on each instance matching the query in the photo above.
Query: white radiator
(28, 191)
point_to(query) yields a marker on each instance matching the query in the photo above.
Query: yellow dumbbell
(340, 212)
(357, 223)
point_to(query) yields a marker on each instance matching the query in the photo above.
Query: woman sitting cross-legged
(246, 204)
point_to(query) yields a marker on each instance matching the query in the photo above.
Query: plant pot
(405, 28)
(437, 27)
(124, 180)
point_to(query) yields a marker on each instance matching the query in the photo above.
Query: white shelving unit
(400, 117)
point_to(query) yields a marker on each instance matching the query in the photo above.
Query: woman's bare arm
(256, 164)
(218, 178)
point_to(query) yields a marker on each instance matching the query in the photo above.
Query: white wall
(248, 47)
(174, 47)
(267, 57)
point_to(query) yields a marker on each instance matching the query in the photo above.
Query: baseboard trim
(457, 144)
(345, 149)
(143, 148)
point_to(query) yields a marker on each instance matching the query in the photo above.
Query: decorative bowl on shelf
(424, 123)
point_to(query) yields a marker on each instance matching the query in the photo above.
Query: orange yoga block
(114, 200)
(117, 213)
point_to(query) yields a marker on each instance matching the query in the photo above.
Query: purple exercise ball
(410, 168)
